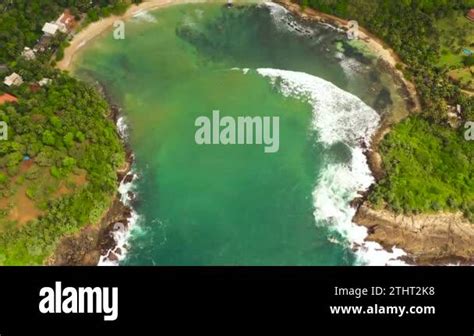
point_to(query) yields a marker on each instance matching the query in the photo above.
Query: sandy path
(95, 29)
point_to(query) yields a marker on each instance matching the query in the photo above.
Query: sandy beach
(95, 29)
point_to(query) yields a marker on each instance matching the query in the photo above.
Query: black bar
(159, 298)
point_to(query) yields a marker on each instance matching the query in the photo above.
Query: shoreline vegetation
(63, 155)
(96, 240)
(437, 236)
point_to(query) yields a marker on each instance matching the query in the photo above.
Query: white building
(44, 81)
(50, 28)
(14, 79)
(28, 54)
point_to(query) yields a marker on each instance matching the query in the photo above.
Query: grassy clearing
(456, 33)
(464, 77)
(25, 197)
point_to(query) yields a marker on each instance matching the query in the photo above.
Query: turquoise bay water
(234, 204)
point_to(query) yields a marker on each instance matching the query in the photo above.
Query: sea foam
(145, 16)
(121, 233)
(283, 19)
(339, 117)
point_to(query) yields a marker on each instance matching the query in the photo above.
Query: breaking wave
(284, 20)
(122, 231)
(338, 117)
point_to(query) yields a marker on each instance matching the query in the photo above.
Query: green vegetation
(410, 28)
(64, 129)
(59, 163)
(457, 41)
(464, 76)
(429, 168)
(429, 164)
(456, 33)
(468, 60)
(21, 20)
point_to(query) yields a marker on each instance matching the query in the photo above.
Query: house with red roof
(470, 14)
(66, 21)
(7, 98)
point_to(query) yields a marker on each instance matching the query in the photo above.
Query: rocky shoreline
(428, 239)
(86, 247)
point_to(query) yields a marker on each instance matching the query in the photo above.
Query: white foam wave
(339, 116)
(122, 231)
(244, 70)
(275, 8)
(143, 15)
(351, 66)
(284, 20)
(122, 128)
(330, 26)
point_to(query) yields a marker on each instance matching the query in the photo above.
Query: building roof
(470, 14)
(28, 54)
(7, 98)
(13, 79)
(44, 81)
(50, 28)
(66, 21)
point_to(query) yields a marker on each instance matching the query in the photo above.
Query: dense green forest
(408, 26)
(428, 169)
(62, 151)
(21, 20)
(429, 164)
(63, 128)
